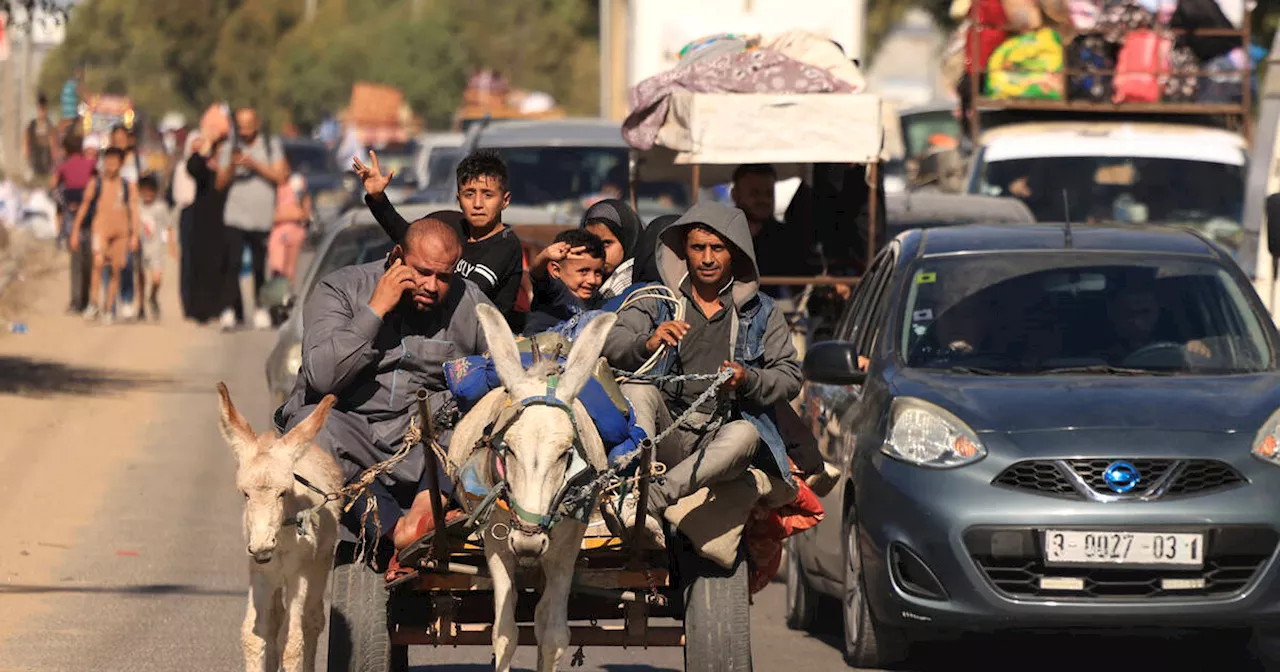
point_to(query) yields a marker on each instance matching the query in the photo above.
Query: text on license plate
(1123, 548)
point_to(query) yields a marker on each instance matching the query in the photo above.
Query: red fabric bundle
(766, 528)
(989, 14)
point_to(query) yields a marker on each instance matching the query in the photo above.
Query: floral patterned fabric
(754, 71)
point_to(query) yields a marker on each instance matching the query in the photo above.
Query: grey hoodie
(779, 378)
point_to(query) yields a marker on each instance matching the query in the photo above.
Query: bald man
(375, 334)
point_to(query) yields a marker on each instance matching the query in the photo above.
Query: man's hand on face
(737, 379)
(667, 333)
(371, 175)
(398, 279)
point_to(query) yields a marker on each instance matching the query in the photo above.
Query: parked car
(438, 157)
(331, 192)
(1043, 427)
(354, 244)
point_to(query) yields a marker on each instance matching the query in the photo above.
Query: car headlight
(1266, 445)
(293, 360)
(928, 436)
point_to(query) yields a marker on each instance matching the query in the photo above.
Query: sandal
(454, 521)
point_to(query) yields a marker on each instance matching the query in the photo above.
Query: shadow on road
(1224, 652)
(24, 376)
(143, 589)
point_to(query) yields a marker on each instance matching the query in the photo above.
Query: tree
(246, 46)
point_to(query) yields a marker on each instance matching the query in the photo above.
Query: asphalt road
(123, 548)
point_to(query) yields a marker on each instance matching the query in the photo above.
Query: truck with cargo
(1146, 121)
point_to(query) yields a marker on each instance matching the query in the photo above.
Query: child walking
(112, 215)
(156, 224)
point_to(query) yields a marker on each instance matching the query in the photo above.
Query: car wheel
(867, 642)
(802, 601)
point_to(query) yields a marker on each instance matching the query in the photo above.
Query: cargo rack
(993, 112)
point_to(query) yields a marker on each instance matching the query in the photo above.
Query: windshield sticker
(923, 315)
(923, 278)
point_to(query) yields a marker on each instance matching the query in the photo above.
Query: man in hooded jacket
(707, 258)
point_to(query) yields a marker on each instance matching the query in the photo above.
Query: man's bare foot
(416, 522)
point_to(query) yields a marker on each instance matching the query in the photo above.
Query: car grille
(1163, 478)
(1234, 557)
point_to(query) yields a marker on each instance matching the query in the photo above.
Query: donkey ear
(299, 438)
(235, 429)
(502, 346)
(583, 357)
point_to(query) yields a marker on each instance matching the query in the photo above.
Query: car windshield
(1205, 195)
(352, 246)
(311, 159)
(1028, 314)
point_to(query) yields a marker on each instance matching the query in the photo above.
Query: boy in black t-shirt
(491, 252)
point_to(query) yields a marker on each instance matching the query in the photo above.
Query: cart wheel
(802, 600)
(717, 617)
(359, 640)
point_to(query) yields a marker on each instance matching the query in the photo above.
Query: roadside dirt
(75, 399)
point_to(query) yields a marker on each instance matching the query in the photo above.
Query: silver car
(354, 244)
(1045, 427)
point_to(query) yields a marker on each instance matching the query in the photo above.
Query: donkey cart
(449, 600)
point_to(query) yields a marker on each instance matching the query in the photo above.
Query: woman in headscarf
(645, 257)
(619, 227)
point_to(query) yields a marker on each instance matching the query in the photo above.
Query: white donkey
(290, 561)
(542, 427)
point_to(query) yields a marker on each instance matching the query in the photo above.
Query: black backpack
(93, 204)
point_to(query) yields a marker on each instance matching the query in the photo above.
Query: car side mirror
(833, 363)
(1273, 224)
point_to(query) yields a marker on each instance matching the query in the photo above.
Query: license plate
(1077, 547)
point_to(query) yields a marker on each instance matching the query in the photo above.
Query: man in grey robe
(375, 334)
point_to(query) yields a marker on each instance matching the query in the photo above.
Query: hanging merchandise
(1057, 15)
(1121, 17)
(1182, 83)
(1085, 14)
(1142, 61)
(1222, 79)
(987, 32)
(1024, 15)
(1091, 60)
(1027, 66)
(1198, 15)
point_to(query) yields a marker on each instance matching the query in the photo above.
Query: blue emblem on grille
(1121, 477)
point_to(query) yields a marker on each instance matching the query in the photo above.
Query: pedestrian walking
(39, 140)
(260, 167)
(293, 212)
(182, 189)
(155, 223)
(70, 179)
(112, 216)
(211, 171)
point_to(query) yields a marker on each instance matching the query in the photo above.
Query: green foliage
(183, 55)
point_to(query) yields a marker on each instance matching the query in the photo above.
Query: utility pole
(309, 11)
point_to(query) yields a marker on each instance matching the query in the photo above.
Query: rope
(658, 293)
(607, 478)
